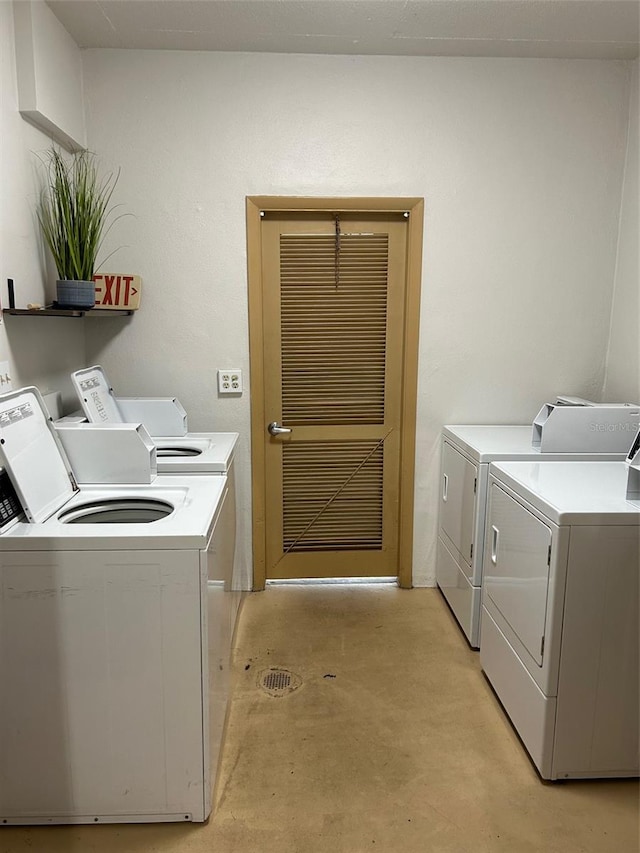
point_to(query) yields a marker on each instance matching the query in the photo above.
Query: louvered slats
(333, 328)
(332, 495)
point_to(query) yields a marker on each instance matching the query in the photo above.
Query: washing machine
(111, 706)
(560, 633)
(178, 451)
(466, 453)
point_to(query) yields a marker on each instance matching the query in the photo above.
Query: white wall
(40, 351)
(622, 380)
(520, 163)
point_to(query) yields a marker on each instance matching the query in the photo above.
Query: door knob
(274, 428)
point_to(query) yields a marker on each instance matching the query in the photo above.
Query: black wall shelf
(53, 311)
(64, 312)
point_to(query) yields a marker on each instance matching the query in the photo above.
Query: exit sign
(118, 291)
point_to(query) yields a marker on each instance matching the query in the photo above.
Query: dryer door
(516, 569)
(457, 501)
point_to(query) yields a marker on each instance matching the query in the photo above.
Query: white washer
(113, 623)
(177, 452)
(187, 453)
(467, 452)
(560, 633)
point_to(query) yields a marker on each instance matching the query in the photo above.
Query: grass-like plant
(74, 211)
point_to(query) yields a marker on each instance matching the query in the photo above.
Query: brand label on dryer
(15, 415)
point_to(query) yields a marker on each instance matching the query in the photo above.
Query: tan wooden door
(333, 306)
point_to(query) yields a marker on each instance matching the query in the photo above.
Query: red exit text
(118, 291)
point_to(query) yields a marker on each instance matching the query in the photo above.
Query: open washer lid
(96, 396)
(32, 454)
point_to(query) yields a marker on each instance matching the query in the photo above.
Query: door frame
(255, 205)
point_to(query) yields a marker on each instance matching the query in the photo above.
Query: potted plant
(73, 213)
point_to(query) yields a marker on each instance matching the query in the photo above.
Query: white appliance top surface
(217, 450)
(584, 493)
(494, 443)
(195, 500)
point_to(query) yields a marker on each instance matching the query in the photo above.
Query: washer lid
(96, 396)
(31, 452)
(214, 452)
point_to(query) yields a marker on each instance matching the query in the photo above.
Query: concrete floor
(393, 741)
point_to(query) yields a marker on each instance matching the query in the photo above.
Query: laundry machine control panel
(10, 508)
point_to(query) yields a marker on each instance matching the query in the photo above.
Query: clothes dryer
(467, 452)
(112, 706)
(560, 632)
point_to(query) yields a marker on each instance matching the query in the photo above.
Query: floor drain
(277, 679)
(279, 682)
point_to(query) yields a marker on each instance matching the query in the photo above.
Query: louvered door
(333, 313)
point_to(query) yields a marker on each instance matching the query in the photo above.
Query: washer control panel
(10, 508)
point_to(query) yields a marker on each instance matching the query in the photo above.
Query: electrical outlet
(230, 380)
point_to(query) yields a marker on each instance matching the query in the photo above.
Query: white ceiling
(605, 29)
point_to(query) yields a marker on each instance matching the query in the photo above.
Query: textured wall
(520, 163)
(623, 364)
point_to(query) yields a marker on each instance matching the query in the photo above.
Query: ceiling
(587, 29)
